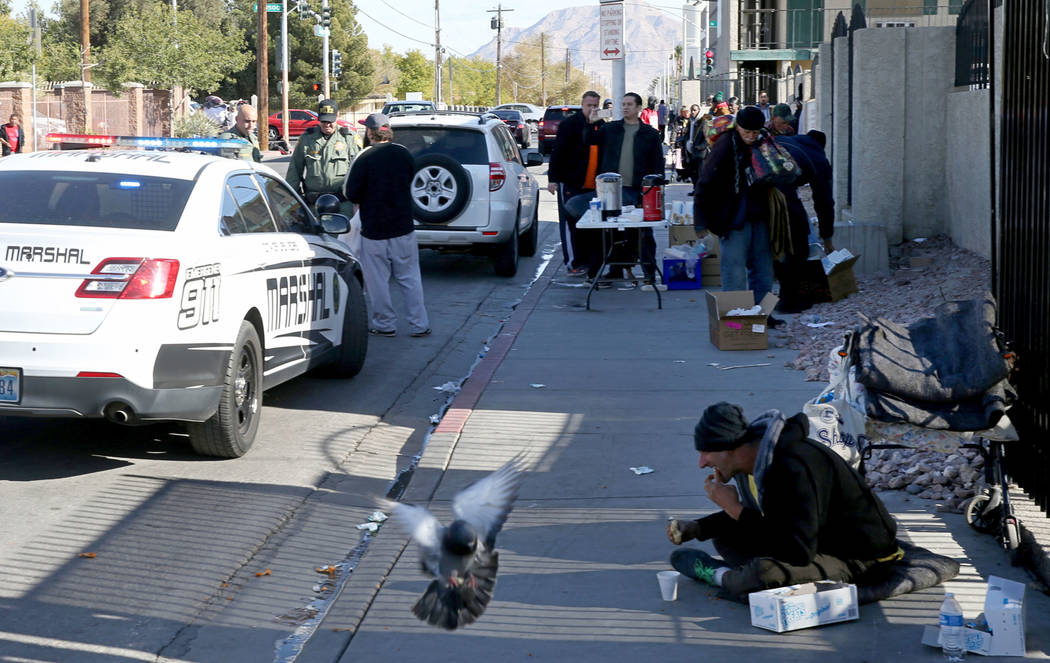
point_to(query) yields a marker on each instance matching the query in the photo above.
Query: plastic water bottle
(953, 642)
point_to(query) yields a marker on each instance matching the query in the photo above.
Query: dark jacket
(21, 140)
(722, 198)
(380, 182)
(568, 164)
(648, 149)
(816, 172)
(812, 502)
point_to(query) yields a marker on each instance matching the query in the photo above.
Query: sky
(409, 24)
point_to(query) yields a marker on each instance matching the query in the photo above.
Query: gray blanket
(944, 372)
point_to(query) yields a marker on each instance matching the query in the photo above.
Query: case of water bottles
(999, 630)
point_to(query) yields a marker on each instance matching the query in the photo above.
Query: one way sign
(610, 29)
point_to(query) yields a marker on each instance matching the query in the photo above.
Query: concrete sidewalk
(624, 386)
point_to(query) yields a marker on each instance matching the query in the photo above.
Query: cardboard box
(738, 332)
(1000, 629)
(802, 606)
(711, 271)
(686, 235)
(820, 287)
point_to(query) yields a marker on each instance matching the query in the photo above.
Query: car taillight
(540, 125)
(497, 176)
(131, 278)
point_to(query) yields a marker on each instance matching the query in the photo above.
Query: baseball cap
(326, 111)
(377, 121)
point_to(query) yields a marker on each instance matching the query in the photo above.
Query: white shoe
(659, 286)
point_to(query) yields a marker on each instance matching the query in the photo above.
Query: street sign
(271, 7)
(610, 30)
(320, 32)
(714, 23)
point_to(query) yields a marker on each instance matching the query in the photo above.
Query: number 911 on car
(144, 286)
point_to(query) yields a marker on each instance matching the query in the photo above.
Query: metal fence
(1021, 266)
(971, 45)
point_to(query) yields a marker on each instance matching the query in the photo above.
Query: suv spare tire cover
(440, 189)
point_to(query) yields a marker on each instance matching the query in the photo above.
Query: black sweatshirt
(813, 502)
(380, 182)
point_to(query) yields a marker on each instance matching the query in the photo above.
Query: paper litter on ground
(371, 527)
(448, 386)
(537, 385)
(377, 517)
(644, 469)
(435, 419)
(818, 325)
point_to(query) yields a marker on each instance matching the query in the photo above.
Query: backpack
(719, 126)
(771, 163)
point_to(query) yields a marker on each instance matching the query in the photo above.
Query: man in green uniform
(244, 129)
(322, 158)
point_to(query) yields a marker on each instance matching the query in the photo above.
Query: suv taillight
(540, 125)
(497, 176)
(131, 278)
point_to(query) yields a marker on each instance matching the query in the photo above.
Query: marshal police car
(151, 285)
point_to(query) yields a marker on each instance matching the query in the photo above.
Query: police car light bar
(145, 142)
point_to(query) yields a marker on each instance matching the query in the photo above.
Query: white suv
(472, 190)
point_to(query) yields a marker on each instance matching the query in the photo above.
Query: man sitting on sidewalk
(799, 512)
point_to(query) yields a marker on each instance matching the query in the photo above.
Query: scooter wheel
(1012, 540)
(986, 522)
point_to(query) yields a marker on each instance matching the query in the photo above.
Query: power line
(384, 25)
(411, 18)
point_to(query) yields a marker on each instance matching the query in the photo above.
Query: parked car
(142, 286)
(518, 127)
(407, 106)
(472, 190)
(532, 114)
(299, 122)
(548, 129)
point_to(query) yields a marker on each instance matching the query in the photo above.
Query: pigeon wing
(424, 528)
(486, 503)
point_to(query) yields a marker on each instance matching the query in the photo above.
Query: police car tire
(354, 345)
(223, 435)
(505, 259)
(459, 201)
(529, 242)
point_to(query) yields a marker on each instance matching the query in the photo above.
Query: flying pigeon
(461, 557)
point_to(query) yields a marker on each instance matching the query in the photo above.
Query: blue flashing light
(129, 184)
(211, 144)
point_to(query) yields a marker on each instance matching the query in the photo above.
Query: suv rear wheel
(530, 240)
(505, 259)
(440, 189)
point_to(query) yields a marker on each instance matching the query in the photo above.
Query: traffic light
(304, 10)
(709, 61)
(337, 63)
(326, 17)
(317, 87)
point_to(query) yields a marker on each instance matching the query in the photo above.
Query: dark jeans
(572, 252)
(626, 243)
(751, 572)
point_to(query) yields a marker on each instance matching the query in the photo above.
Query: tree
(16, 56)
(470, 81)
(416, 75)
(192, 55)
(526, 78)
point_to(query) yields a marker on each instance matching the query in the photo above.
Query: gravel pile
(921, 276)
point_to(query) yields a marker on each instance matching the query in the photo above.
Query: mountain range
(650, 35)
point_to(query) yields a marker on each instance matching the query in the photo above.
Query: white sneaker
(659, 286)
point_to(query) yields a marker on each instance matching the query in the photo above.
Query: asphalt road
(182, 544)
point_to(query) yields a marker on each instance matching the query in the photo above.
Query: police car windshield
(104, 200)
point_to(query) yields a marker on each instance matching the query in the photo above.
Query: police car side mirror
(335, 224)
(533, 159)
(327, 204)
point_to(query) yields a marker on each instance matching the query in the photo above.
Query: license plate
(10, 385)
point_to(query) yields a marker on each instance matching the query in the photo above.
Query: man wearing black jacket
(633, 149)
(567, 176)
(799, 512)
(380, 182)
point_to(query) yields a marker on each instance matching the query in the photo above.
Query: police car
(142, 285)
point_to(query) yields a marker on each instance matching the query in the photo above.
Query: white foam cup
(668, 584)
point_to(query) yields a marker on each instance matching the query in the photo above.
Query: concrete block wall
(967, 176)
(840, 123)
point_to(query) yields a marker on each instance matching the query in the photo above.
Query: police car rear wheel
(354, 346)
(440, 189)
(231, 430)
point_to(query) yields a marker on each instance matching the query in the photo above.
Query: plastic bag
(837, 416)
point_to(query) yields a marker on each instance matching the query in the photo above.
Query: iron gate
(1021, 266)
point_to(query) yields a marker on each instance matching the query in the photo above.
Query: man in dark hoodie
(799, 513)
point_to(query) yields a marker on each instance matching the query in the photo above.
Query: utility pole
(437, 55)
(543, 69)
(325, 31)
(567, 66)
(85, 61)
(451, 95)
(497, 25)
(263, 78)
(284, 80)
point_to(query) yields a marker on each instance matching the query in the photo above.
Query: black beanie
(750, 118)
(722, 426)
